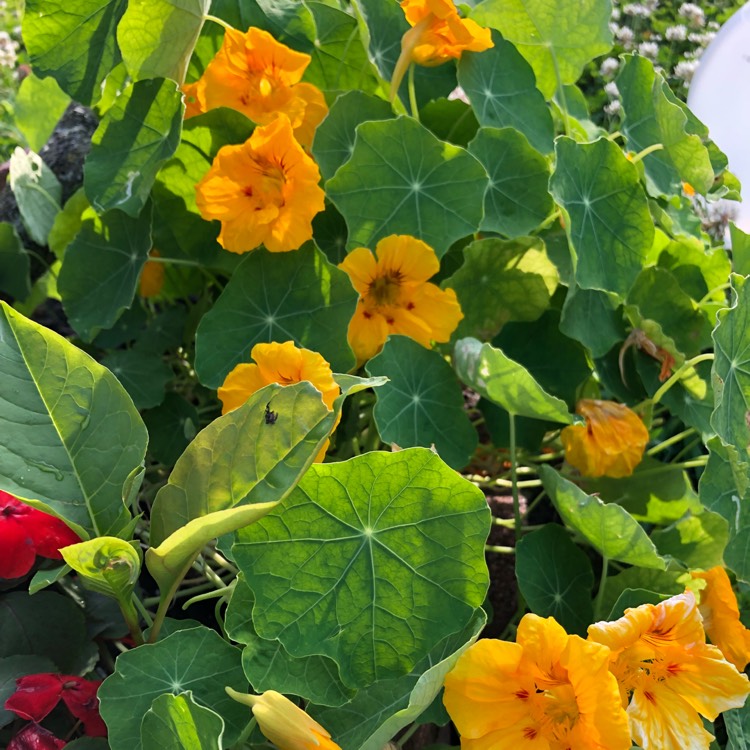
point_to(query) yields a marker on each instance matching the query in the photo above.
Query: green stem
(693, 463)
(599, 601)
(646, 151)
(407, 735)
(563, 98)
(707, 297)
(670, 441)
(507, 523)
(145, 614)
(245, 734)
(207, 595)
(131, 619)
(499, 549)
(220, 21)
(678, 375)
(413, 93)
(514, 478)
(174, 261)
(166, 600)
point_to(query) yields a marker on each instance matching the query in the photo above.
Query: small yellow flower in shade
(279, 363)
(396, 297)
(610, 444)
(152, 277)
(192, 94)
(547, 691)
(668, 675)
(263, 191)
(286, 725)
(688, 189)
(721, 616)
(260, 77)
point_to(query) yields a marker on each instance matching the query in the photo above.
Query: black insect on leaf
(271, 416)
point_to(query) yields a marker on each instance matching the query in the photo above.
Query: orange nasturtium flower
(263, 191)
(669, 674)
(395, 296)
(610, 444)
(547, 691)
(152, 277)
(721, 616)
(279, 363)
(286, 725)
(260, 77)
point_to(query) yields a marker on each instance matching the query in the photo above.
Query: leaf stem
(413, 93)
(679, 373)
(407, 735)
(646, 151)
(220, 21)
(174, 261)
(518, 521)
(131, 620)
(145, 614)
(216, 593)
(245, 734)
(599, 601)
(670, 441)
(501, 550)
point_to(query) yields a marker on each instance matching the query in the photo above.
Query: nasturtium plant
(361, 363)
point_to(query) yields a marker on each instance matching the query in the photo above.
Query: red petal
(36, 695)
(79, 696)
(34, 737)
(49, 533)
(17, 553)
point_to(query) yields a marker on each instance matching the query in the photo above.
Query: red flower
(34, 737)
(25, 533)
(37, 694)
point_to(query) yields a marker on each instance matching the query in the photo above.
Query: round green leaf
(115, 247)
(401, 179)
(611, 228)
(555, 578)
(517, 200)
(591, 317)
(610, 529)
(74, 42)
(177, 722)
(737, 554)
(422, 403)
(196, 660)
(143, 374)
(296, 296)
(39, 104)
(557, 38)
(72, 434)
(723, 486)
(502, 89)
(371, 562)
(135, 137)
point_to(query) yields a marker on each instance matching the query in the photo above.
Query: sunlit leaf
(39, 104)
(179, 723)
(697, 541)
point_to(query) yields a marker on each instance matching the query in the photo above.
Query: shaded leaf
(737, 554)
(143, 375)
(723, 485)
(450, 120)
(171, 427)
(37, 192)
(14, 264)
(591, 317)
(13, 667)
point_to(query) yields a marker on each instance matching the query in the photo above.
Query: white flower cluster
(8, 50)
(609, 67)
(676, 33)
(685, 70)
(693, 14)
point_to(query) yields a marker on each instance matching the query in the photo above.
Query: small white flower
(613, 108)
(609, 67)
(694, 15)
(625, 37)
(637, 10)
(685, 70)
(676, 33)
(702, 39)
(714, 26)
(616, 14)
(611, 90)
(649, 50)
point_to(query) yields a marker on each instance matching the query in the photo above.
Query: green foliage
(177, 721)
(39, 105)
(14, 263)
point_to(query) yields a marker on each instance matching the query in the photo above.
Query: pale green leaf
(697, 541)
(37, 192)
(39, 104)
(177, 722)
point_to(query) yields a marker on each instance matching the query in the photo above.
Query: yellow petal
(368, 331)
(362, 268)
(239, 385)
(406, 258)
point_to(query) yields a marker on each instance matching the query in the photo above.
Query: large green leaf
(610, 529)
(135, 137)
(196, 660)
(500, 281)
(74, 42)
(114, 247)
(422, 403)
(510, 385)
(502, 89)
(401, 179)
(157, 37)
(737, 723)
(377, 713)
(296, 296)
(517, 200)
(269, 666)
(38, 106)
(723, 485)
(557, 38)
(143, 374)
(177, 722)
(26, 628)
(590, 316)
(383, 549)
(610, 228)
(555, 578)
(334, 137)
(14, 264)
(697, 541)
(731, 371)
(171, 427)
(737, 554)
(650, 118)
(72, 434)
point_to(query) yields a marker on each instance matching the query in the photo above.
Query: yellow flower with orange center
(610, 443)
(152, 276)
(286, 725)
(284, 364)
(547, 691)
(668, 675)
(721, 616)
(260, 77)
(263, 191)
(396, 297)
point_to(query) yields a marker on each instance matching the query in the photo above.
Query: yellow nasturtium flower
(396, 297)
(721, 616)
(286, 725)
(260, 77)
(610, 443)
(669, 676)
(279, 363)
(263, 191)
(547, 691)
(152, 277)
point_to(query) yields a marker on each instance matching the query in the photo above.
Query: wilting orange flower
(264, 191)
(395, 296)
(668, 675)
(152, 277)
(260, 77)
(721, 616)
(286, 725)
(192, 96)
(279, 363)
(547, 691)
(611, 443)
